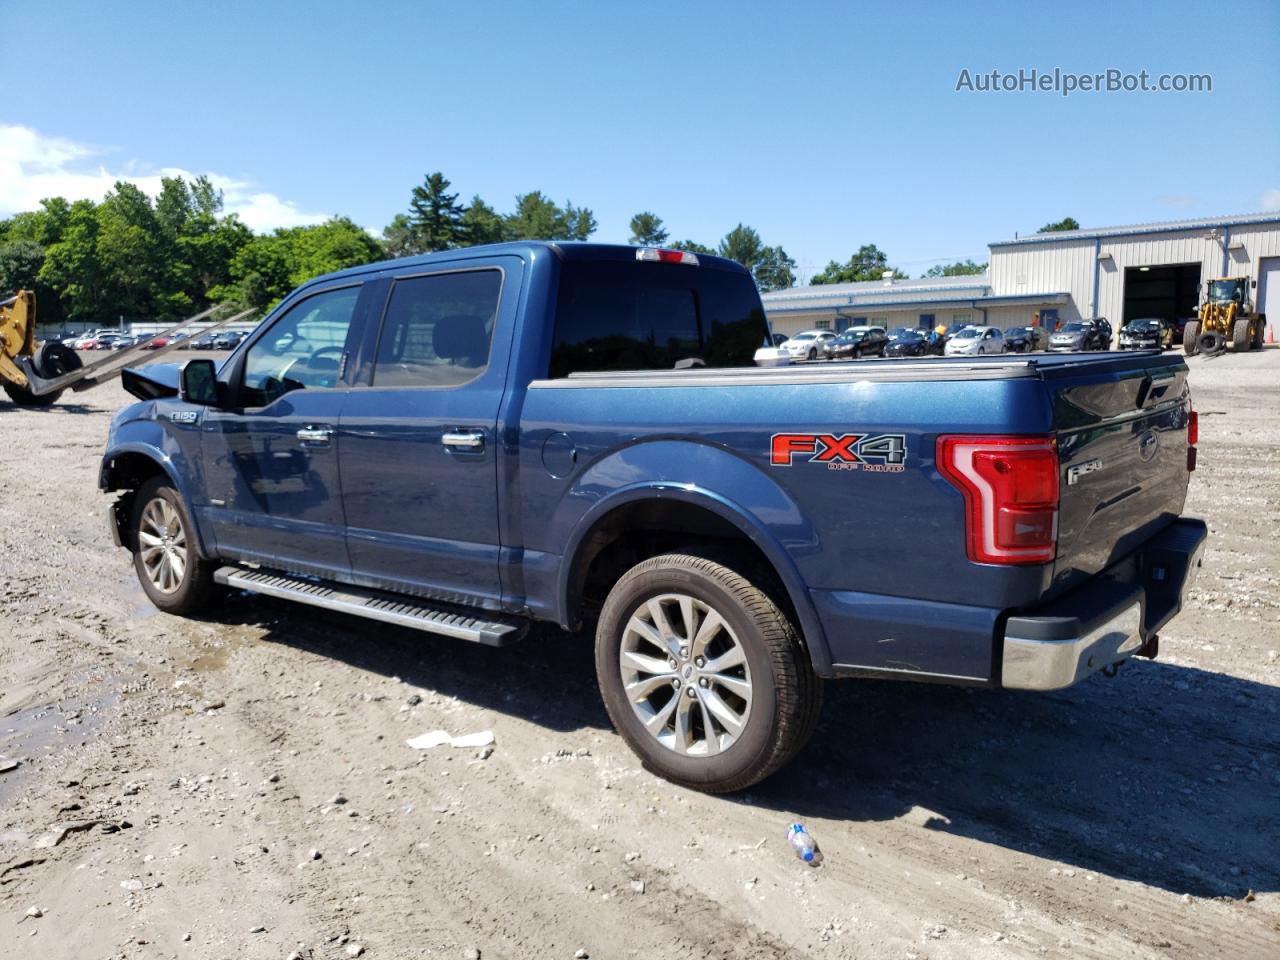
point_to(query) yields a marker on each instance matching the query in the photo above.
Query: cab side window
(303, 349)
(437, 329)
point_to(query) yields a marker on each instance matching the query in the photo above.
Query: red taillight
(1193, 437)
(667, 256)
(1010, 487)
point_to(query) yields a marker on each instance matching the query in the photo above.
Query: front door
(419, 441)
(272, 482)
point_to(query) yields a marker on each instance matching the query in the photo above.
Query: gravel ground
(240, 787)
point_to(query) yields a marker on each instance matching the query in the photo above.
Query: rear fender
(686, 471)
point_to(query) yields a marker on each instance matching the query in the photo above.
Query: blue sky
(824, 125)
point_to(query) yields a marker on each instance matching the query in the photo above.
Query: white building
(1121, 273)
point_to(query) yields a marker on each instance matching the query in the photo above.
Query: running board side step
(444, 619)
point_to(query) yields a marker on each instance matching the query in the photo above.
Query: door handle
(463, 439)
(317, 435)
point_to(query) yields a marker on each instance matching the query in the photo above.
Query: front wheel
(172, 572)
(703, 675)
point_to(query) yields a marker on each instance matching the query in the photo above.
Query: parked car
(89, 341)
(951, 331)
(107, 340)
(975, 341)
(779, 339)
(1149, 333)
(908, 342)
(1082, 335)
(228, 340)
(1025, 339)
(810, 345)
(988, 531)
(859, 342)
(204, 342)
(125, 342)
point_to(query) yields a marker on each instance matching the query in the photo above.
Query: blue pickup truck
(470, 441)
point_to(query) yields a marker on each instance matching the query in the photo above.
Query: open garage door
(1171, 292)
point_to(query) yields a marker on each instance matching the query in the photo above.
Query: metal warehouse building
(1121, 273)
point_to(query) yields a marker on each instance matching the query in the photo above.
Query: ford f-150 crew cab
(472, 440)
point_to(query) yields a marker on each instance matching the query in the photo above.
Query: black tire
(1240, 336)
(51, 360)
(1211, 343)
(785, 694)
(1191, 338)
(194, 589)
(813, 354)
(1259, 333)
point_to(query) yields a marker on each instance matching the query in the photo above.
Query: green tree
(268, 267)
(435, 216)
(397, 237)
(1066, 223)
(20, 263)
(482, 224)
(774, 270)
(647, 230)
(536, 217)
(692, 246)
(72, 268)
(742, 244)
(869, 263)
(961, 268)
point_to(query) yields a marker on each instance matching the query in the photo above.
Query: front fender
(174, 453)
(709, 477)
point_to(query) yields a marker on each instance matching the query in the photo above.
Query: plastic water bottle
(805, 846)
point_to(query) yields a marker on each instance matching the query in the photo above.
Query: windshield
(804, 336)
(1073, 328)
(1226, 290)
(1144, 326)
(906, 334)
(851, 335)
(968, 333)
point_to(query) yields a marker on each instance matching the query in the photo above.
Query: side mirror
(198, 383)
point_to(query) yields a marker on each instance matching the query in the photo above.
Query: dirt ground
(240, 786)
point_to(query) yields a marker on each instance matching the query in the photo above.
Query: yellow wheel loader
(35, 374)
(1227, 316)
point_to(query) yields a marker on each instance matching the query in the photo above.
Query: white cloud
(1270, 199)
(33, 166)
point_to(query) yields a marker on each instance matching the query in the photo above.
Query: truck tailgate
(1121, 425)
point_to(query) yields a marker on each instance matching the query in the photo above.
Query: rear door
(1122, 439)
(418, 440)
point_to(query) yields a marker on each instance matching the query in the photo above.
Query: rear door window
(437, 329)
(614, 315)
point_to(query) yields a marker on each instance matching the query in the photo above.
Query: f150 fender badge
(182, 416)
(872, 453)
(1081, 469)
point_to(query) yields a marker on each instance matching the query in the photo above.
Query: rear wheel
(1241, 336)
(813, 354)
(172, 572)
(1259, 333)
(1191, 338)
(703, 675)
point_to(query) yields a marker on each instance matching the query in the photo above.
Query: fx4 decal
(871, 453)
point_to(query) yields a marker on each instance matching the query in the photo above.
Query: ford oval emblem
(1147, 446)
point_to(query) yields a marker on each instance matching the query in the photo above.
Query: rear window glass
(653, 316)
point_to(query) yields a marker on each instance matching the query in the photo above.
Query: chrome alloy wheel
(162, 544)
(685, 674)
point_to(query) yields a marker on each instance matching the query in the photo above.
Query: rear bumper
(1108, 619)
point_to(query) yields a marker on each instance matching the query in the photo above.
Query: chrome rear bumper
(1107, 620)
